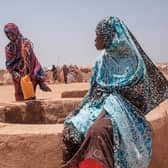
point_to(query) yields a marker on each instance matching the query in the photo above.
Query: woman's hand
(33, 77)
(16, 76)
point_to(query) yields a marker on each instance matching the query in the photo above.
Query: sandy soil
(7, 91)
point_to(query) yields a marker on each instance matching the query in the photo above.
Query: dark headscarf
(12, 28)
(14, 59)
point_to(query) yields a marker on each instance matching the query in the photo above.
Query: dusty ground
(7, 91)
(27, 141)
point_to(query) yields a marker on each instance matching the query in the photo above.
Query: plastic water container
(27, 88)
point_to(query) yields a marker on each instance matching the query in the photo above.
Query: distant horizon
(92, 65)
(87, 66)
(63, 32)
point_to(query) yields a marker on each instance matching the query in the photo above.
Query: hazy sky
(63, 31)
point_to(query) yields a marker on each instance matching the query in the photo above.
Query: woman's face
(11, 36)
(99, 42)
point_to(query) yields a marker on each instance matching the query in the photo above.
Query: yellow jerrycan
(27, 88)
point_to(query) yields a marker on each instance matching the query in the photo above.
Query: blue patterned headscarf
(120, 62)
(115, 33)
(106, 27)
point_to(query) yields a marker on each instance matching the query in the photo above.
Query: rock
(86, 76)
(60, 120)
(5, 78)
(85, 69)
(159, 123)
(23, 112)
(69, 106)
(2, 114)
(37, 111)
(30, 146)
(73, 94)
(39, 146)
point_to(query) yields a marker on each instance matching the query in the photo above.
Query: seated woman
(109, 128)
(15, 62)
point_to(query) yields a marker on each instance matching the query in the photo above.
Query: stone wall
(37, 112)
(39, 146)
(30, 146)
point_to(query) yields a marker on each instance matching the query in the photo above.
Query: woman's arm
(11, 62)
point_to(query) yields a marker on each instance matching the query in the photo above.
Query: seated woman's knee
(99, 127)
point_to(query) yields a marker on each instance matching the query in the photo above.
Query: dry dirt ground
(7, 91)
(18, 141)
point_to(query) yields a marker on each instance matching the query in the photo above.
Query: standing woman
(15, 62)
(109, 128)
